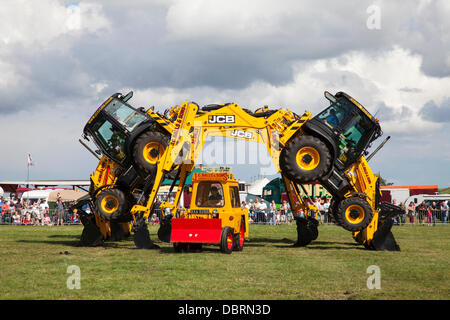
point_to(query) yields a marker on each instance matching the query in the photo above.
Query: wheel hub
(307, 158)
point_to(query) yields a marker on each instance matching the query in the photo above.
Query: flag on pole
(30, 160)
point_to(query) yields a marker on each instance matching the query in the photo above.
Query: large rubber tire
(112, 205)
(239, 238)
(354, 214)
(305, 159)
(333, 210)
(147, 150)
(227, 240)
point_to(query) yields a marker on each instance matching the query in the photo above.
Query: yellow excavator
(141, 148)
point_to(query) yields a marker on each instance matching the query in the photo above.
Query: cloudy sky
(59, 60)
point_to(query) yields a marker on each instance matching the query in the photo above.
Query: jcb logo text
(221, 119)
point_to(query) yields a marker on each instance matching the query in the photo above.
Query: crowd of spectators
(26, 212)
(423, 214)
(282, 214)
(38, 213)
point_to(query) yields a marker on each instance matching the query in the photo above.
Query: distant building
(401, 193)
(274, 190)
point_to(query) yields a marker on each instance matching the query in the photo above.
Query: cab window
(111, 139)
(125, 115)
(209, 194)
(234, 196)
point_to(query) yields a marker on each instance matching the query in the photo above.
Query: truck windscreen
(125, 115)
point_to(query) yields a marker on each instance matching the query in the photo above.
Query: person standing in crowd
(434, 209)
(316, 202)
(43, 206)
(326, 207)
(444, 212)
(46, 220)
(16, 218)
(429, 215)
(19, 207)
(245, 205)
(262, 211)
(396, 217)
(283, 211)
(251, 210)
(289, 214)
(272, 213)
(59, 210)
(256, 212)
(1, 210)
(422, 212)
(411, 212)
(402, 215)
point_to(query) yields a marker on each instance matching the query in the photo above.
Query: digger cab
(214, 216)
(348, 126)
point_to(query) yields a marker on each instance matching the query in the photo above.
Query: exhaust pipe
(378, 148)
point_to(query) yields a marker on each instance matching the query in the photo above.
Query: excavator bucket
(306, 231)
(165, 228)
(91, 235)
(383, 239)
(141, 236)
(196, 230)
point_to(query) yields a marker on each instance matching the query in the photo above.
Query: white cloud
(228, 20)
(369, 79)
(37, 23)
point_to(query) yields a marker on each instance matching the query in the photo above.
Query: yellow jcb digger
(145, 147)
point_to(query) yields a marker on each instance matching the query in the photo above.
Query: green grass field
(33, 265)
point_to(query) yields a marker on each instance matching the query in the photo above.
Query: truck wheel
(333, 211)
(227, 240)
(148, 149)
(305, 159)
(239, 238)
(112, 204)
(354, 214)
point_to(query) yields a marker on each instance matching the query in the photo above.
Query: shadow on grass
(204, 249)
(60, 242)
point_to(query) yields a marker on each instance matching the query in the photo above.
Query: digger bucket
(383, 238)
(141, 236)
(91, 235)
(306, 231)
(165, 228)
(196, 230)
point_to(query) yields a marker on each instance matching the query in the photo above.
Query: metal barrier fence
(30, 218)
(420, 217)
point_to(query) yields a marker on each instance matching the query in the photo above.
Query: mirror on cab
(330, 97)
